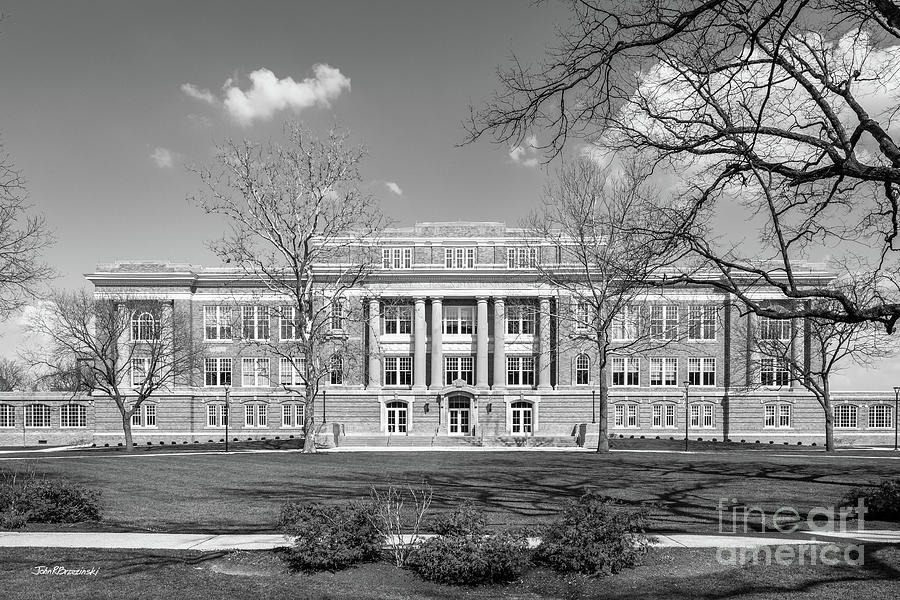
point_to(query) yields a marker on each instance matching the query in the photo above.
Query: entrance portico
(459, 409)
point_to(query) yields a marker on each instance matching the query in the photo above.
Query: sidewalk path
(264, 541)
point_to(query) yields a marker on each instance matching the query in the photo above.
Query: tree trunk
(829, 420)
(603, 437)
(126, 426)
(309, 421)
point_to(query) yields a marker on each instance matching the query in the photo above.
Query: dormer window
(459, 258)
(396, 258)
(521, 258)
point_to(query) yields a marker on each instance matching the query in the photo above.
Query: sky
(105, 104)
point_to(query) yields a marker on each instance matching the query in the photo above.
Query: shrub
(881, 502)
(25, 498)
(595, 535)
(397, 515)
(464, 519)
(471, 559)
(329, 538)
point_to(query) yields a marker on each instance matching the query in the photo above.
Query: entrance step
(557, 441)
(455, 441)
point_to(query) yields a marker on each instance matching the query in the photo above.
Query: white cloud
(526, 154)
(199, 94)
(163, 157)
(269, 94)
(393, 187)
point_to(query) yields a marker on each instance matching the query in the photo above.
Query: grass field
(243, 492)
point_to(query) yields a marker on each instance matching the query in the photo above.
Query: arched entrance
(459, 415)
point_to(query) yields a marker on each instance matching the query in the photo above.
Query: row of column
(481, 343)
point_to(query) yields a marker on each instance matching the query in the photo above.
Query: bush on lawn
(26, 498)
(595, 535)
(882, 501)
(472, 559)
(464, 519)
(329, 538)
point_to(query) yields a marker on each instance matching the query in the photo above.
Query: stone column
(437, 352)
(374, 332)
(481, 349)
(544, 345)
(499, 344)
(419, 338)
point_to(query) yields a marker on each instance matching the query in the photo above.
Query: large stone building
(458, 341)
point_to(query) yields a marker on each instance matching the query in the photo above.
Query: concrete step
(561, 441)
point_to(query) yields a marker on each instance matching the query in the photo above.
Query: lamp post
(896, 403)
(227, 414)
(593, 406)
(687, 416)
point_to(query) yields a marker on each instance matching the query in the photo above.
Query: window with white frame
(397, 319)
(287, 323)
(459, 320)
(624, 324)
(397, 414)
(396, 258)
(255, 372)
(520, 370)
(217, 372)
(774, 329)
(702, 322)
(217, 323)
(520, 319)
(458, 367)
(777, 415)
(338, 314)
(144, 416)
(625, 370)
(582, 369)
(37, 415)
(663, 371)
(663, 322)
(663, 416)
(255, 322)
(336, 370)
(72, 415)
(140, 369)
(291, 370)
(7, 415)
(144, 327)
(584, 315)
(773, 373)
(256, 415)
(521, 417)
(292, 414)
(625, 415)
(702, 415)
(881, 416)
(521, 258)
(398, 370)
(702, 371)
(216, 414)
(459, 257)
(845, 416)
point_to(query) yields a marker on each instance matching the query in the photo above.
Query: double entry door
(459, 411)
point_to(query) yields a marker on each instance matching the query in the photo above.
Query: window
(584, 315)
(663, 371)
(255, 322)
(625, 370)
(287, 323)
(73, 415)
(881, 416)
(459, 320)
(702, 416)
(144, 416)
(845, 416)
(217, 371)
(520, 319)
(702, 371)
(255, 372)
(7, 415)
(663, 415)
(291, 370)
(256, 415)
(396, 258)
(519, 370)
(140, 368)
(398, 370)
(217, 323)
(458, 367)
(292, 415)
(37, 415)
(396, 417)
(774, 329)
(459, 258)
(521, 418)
(397, 319)
(521, 258)
(773, 373)
(144, 327)
(336, 370)
(582, 370)
(216, 415)
(337, 314)
(702, 322)
(777, 415)
(624, 324)
(663, 322)
(626, 415)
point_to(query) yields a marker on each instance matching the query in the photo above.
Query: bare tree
(778, 113)
(603, 265)
(126, 349)
(303, 231)
(13, 375)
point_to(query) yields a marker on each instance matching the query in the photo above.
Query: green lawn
(243, 492)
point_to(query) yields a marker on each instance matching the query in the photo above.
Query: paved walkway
(264, 541)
